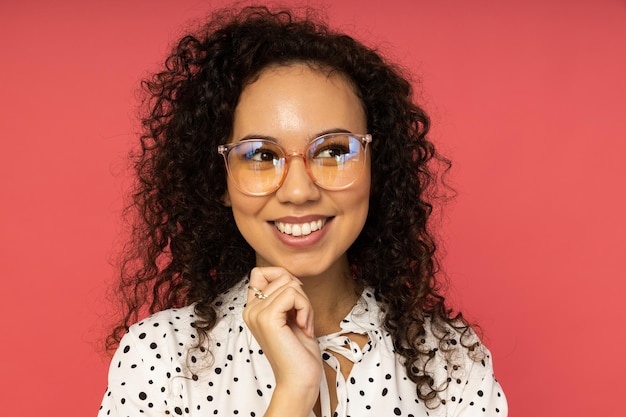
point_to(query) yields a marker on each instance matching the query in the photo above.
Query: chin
(316, 268)
(322, 262)
(304, 271)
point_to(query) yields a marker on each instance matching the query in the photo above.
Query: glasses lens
(256, 166)
(336, 161)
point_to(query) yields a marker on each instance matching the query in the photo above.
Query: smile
(300, 229)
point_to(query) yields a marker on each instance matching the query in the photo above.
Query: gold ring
(258, 293)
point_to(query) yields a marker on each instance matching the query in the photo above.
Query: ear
(226, 199)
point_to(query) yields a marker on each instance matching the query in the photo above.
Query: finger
(290, 303)
(304, 315)
(259, 300)
(264, 280)
(265, 275)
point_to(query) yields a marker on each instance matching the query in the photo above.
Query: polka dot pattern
(156, 373)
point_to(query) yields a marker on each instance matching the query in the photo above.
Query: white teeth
(302, 229)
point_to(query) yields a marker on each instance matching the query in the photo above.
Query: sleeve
(137, 383)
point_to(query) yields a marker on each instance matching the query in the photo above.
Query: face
(293, 105)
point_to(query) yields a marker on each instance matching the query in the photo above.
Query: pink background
(528, 99)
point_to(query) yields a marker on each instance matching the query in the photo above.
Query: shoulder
(454, 348)
(159, 341)
(165, 322)
(149, 358)
(162, 361)
(177, 323)
(167, 337)
(175, 329)
(462, 368)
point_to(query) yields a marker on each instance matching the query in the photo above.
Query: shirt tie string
(362, 320)
(341, 344)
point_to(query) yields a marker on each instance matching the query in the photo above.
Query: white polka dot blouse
(158, 370)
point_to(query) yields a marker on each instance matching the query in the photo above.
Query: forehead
(298, 102)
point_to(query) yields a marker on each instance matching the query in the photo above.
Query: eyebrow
(315, 136)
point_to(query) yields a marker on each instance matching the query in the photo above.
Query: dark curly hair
(185, 246)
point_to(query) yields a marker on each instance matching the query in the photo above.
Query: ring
(258, 293)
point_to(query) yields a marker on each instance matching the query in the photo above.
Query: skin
(307, 279)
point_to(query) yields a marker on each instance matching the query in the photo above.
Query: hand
(282, 323)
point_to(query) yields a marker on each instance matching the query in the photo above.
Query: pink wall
(528, 99)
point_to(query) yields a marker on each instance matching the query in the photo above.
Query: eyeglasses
(259, 166)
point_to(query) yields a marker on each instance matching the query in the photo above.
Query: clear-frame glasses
(259, 166)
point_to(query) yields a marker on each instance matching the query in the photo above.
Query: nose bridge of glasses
(290, 154)
(297, 175)
(289, 157)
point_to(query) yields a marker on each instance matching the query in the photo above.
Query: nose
(298, 187)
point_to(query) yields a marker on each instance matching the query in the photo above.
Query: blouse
(158, 370)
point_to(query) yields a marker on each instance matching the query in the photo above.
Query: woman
(282, 239)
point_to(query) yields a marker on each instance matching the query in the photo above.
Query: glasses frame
(224, 150)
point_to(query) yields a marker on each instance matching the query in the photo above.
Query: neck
(332, 296)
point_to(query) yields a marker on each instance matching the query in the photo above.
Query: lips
(300, 229)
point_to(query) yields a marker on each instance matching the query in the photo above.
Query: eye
(259, 152)
(261, 155)
(332, 150)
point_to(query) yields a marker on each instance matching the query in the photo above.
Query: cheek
(363, 187)
(246, 211)
(357, 202)
(245, 207)
(241, 203)
(364, 197)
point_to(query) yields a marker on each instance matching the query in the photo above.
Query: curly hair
(184, 239)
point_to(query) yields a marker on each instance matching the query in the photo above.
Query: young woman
(282, 238)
